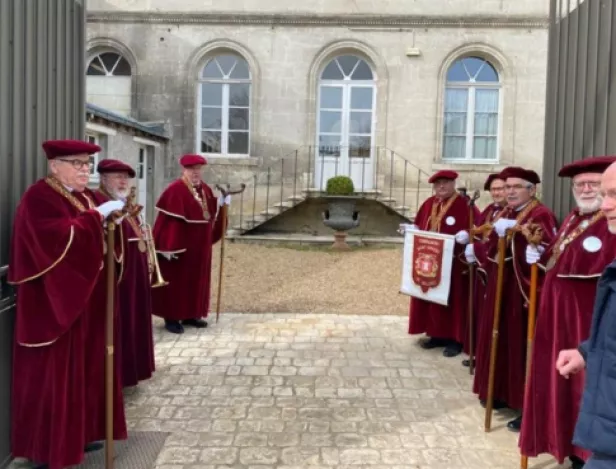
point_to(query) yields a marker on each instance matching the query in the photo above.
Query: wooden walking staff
(471, 283)
(502, 246)
(223, 212)
(534, 235)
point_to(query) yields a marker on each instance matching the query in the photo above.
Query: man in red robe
(187, 227)
(522, 208)
(573, 263)
(57, 263)
(445, 212)
(496, 186)
(135, 293)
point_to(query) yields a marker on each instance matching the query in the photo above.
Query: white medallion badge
(592, 244)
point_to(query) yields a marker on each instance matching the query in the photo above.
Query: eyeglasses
(516, 187)
(590, 184)
(77, 164)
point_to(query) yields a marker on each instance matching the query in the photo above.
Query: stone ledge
(298, 19)
(225, 161)
(469, 167)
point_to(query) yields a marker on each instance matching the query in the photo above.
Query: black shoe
(40, 466)
(496, 405)
(515, 425)
(432, 343)
(452, 350)
(467, 362)
(576, 463)
(198, 323)
(174, 327)
(95, 446)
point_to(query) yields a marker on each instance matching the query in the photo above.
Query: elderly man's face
(193, 174)
(497, 191)
(608, 194)
(444, 188)
(117, 184)
(586, 187)
(519, 192)
(72, 171)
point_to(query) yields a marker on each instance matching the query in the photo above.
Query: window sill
(223, 160)
(469, 165)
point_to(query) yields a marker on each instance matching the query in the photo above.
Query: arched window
(109, 82)
(471, 111)
(223, 124)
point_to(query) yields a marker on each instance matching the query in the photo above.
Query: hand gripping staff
(471, 283)
(223, 212)
(533, 234)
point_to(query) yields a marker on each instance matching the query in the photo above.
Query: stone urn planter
(341, 215)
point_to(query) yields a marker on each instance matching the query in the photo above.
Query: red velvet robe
(438, 321)
(488, 215)
(182, 230)
(136, 343)
(511, 352)
(58, 386)
(552, 403)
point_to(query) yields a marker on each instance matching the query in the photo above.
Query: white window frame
(224, 130)
(470, 121)
(92, 137)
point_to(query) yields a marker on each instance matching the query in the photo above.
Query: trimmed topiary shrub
(340, 185)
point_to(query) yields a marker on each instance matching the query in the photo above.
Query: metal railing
(378, 173)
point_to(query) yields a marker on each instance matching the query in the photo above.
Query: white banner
(426, 265)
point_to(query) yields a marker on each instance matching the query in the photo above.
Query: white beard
(586, 206)
(121, 194)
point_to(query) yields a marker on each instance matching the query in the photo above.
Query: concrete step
(309, 239)
(313, 192)
(283, 205)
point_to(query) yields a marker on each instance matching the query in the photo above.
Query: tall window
(472, 102)
(109, 82)
(93, 138)
(224, 117)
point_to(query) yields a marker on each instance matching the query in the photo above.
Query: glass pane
(486, 124)
(109, 59)
(238, 143)
(211, 94)
(362, 72)
(226, 62)
(95, 68)
(331, 97)
(238, 119)
(122, 69)
(456, 72)
(211, 70)
(211, 118)
(347, 63)
(455, 123)
(359, 147)
(241, 70)
(456, 100)
(332, 72)
(361, 98)
(329, 145)
(454, 148)
(473, 64)
(239, 94)
(488, 73)
(210, 142)
(330, 121)
(486, 100)
(484, 148)
(360, 122)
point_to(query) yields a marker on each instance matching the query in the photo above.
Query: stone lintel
(342, 20)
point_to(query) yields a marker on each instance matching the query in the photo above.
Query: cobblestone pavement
(314, 391)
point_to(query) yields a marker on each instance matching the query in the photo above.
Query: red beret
(490, 180)
(192, 160)
(521, 173)
(444, 174)
(56, 148)
(115, 166)
(596, 164)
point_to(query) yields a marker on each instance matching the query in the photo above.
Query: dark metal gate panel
(581, 99)
(42, 91)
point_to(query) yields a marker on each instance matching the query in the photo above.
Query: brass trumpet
(154, 267)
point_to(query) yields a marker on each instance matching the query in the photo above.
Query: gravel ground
(276, 279)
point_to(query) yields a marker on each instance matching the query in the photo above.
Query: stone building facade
(293, 92)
